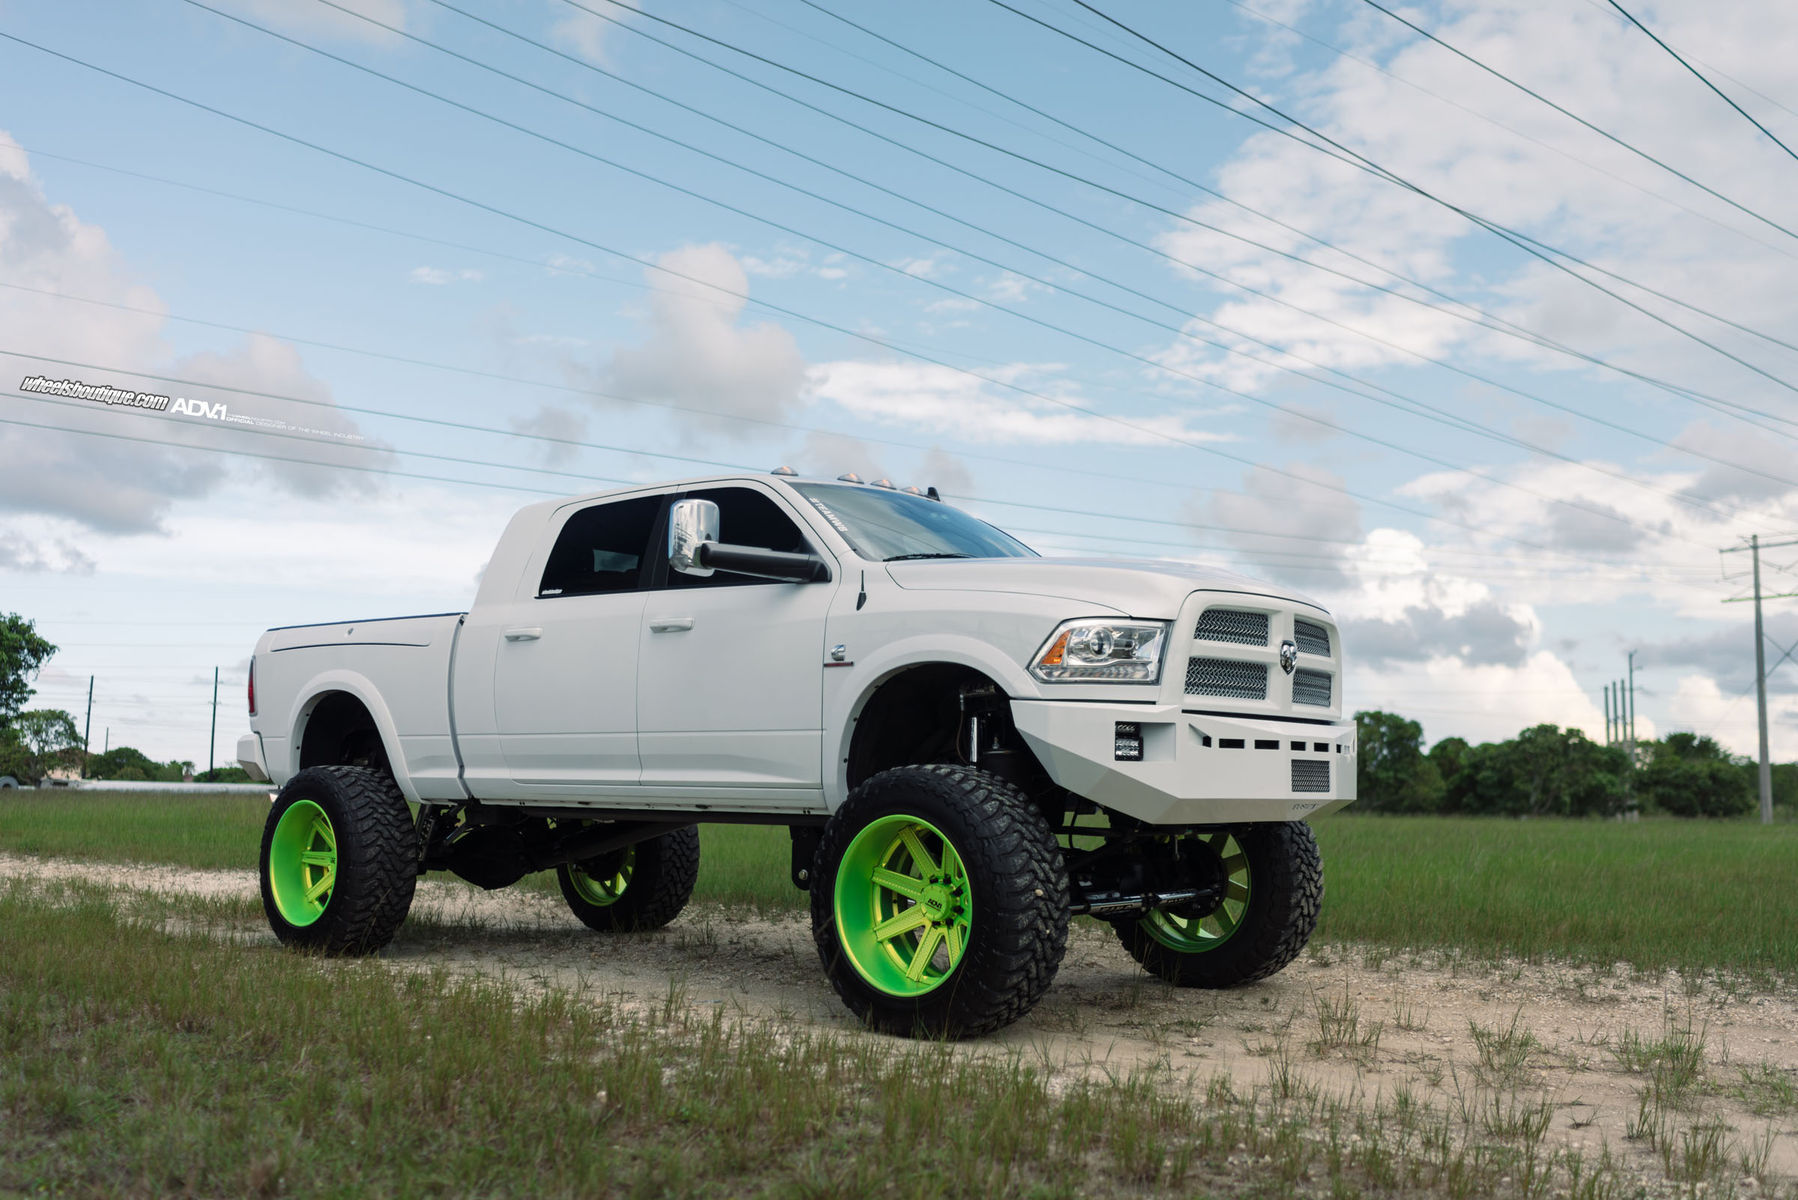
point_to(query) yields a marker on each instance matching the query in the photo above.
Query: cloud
(19, 553)
(317, 18)
(118, 470)
(926, 396)
(1321, 524)
(1484, 633)
(586, 34)
(554, 421)
(699, 353)
(439, 276)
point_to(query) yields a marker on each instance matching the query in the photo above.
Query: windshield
(884, 526)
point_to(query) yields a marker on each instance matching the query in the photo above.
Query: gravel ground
(1354, 1020)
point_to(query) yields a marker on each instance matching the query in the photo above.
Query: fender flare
(923, 650)
(355, 684)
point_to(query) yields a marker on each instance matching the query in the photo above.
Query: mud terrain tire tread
(377, 860)
(1020, 890)
(661, 883)
(1286, 893)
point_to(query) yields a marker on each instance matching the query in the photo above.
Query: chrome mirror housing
(691, 524)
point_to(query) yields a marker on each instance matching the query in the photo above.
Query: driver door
(731, 668)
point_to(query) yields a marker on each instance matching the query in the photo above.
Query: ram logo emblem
(1289, 656)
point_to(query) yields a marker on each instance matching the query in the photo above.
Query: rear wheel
(639, 887)
(339, 860)
(1272, 888)
(939, 902)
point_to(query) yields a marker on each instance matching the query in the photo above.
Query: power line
(1699, 75)
(1575, 117)
(1371, 65)
(1145, 360)
(1357, 161)
(1337, 150)
(489, 208)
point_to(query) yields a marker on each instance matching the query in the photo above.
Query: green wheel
(1272, 887)
(339, 860)
(903, 905)
(639, 887)
(939, 902)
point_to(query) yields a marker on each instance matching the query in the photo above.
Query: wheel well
(340, 731)
(922, 715)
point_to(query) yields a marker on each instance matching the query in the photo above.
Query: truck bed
(399, 668)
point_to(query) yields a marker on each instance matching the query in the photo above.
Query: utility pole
(87, 728)
(212, 745)
(1754, 549)
(1607, 714)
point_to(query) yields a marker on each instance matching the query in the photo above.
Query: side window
(601, 549)
(746, 517)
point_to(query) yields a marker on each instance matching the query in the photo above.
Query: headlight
(1102, 652)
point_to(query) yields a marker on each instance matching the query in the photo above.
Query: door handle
(671, 624)
(523, 635)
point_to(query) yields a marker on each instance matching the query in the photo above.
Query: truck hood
(1134, 587)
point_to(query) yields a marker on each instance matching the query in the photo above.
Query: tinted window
(746, 517)
(601, 549)
(884, 525)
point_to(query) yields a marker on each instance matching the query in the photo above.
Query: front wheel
(639, 887)
(339, 860)
(1273, 887)
(939, 902)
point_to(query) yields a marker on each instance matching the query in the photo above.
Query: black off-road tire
(1018, 881)
(376, 865)
(1286, 891)
(661, 875)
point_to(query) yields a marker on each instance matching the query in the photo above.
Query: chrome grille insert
(1311, 637)
(1232, 625)
(1309, 687)
(1310, 775)
(1226, 677)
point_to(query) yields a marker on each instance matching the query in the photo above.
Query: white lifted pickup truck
(968, 742)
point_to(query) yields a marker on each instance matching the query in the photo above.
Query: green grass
(139, 1062)
(1658, 893)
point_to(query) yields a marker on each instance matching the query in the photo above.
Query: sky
(1280, 285)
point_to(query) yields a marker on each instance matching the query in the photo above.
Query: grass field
(141, 1062)
(1667, 893)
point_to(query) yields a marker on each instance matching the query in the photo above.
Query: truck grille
(1227, 677)
(1310, 775)
(1232, 625)
(1311, 637)
(1308, 687)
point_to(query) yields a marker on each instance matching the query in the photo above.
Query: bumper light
(1102, 652)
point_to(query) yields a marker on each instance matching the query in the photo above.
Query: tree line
(1549, 771)
(36, 742)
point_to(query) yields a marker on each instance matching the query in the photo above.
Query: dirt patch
(1578, 1047)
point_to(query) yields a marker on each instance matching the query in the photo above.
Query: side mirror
(691, 524)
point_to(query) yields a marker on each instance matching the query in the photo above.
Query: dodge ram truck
(969, 743)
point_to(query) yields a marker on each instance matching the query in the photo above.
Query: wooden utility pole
(212, 744)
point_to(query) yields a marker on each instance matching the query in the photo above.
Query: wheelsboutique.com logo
(100, 393)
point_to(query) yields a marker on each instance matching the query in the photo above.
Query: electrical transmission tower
(1754, 546)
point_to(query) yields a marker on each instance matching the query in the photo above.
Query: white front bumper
(1196, 769)
(249, 757)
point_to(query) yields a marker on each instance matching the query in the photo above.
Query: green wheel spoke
(302, 863)
(1197, 934)
(927, 945)
(903, 913)
(926, 865)
(898, 923)
(904, 885)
